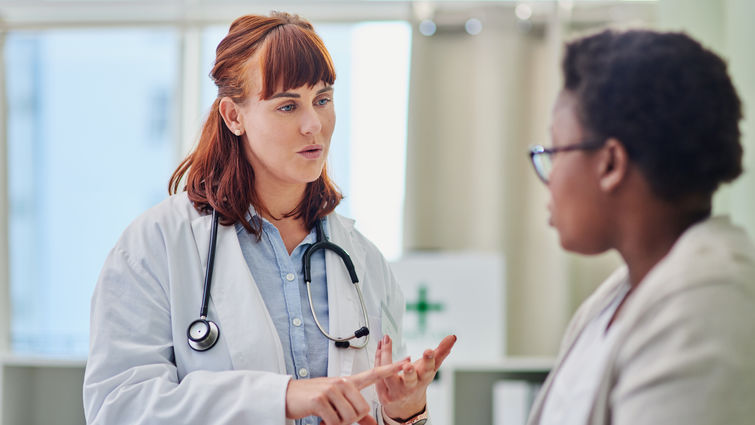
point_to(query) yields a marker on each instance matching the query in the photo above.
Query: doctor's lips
(311, 151)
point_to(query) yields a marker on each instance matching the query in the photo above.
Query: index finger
(369, 377)
(444, 349)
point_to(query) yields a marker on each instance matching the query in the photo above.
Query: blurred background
(437, 103)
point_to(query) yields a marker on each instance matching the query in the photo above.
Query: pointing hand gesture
(336, 400)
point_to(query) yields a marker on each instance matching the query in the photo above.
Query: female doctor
(262, 348)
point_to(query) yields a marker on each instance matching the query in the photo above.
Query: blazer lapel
(603, 296)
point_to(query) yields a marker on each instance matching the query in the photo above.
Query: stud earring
(237, 132)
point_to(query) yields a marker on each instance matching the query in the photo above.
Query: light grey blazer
(686, 349)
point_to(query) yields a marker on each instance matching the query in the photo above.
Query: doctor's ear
(230, 113)
(613, 164)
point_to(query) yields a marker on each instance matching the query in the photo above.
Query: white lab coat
(141, 369)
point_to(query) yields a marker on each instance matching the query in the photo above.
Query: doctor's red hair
(218, 174)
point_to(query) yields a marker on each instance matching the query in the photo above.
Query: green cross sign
(423, 307)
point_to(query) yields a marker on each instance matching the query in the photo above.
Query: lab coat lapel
(345, 313)
(246, 328)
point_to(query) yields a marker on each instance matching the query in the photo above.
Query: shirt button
(297, 322)
(290, 277)
(303, 372)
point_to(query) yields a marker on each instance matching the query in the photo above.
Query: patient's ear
(613, 164)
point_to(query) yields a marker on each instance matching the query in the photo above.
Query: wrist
(418, 418)
(405, 408)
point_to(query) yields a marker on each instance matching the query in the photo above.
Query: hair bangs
(292, 57)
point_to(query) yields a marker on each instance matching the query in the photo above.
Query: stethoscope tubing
(207, 332)
(323, 243)
(361, 332)
(210, 265)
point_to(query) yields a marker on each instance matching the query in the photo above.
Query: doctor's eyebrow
(296, 95)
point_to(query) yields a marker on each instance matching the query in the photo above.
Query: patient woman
(644, 131)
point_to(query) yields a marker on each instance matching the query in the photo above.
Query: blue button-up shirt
(280, 279)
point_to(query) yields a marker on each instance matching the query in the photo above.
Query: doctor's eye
(323, 101)
(287, 108)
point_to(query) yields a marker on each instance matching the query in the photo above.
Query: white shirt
(575, 385)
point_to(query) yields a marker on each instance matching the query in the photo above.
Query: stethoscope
(203, 333)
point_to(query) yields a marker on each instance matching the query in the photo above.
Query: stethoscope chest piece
(202, 334)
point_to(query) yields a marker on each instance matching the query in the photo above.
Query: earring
(237, 132)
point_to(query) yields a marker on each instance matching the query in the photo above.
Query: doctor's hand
(404, 395)
(336, 400)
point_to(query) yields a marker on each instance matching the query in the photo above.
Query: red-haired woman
(235, 333)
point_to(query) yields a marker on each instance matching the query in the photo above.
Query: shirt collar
(251, 214)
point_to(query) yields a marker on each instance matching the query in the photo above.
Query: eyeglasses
(543, 163)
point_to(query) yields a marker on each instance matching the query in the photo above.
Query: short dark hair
(667, 99)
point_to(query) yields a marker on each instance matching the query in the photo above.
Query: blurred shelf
(37, 390)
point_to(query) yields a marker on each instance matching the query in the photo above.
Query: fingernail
(380, 344)
(385, 339)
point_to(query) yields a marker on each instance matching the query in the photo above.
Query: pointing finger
(369, 377)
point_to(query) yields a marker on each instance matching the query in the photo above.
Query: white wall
(725, 26)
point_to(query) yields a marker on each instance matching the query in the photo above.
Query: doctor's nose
(310, 122)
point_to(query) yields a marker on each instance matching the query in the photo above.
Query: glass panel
(368, 148)
(90, 147)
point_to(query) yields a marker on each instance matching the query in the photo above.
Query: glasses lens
(543, 165)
